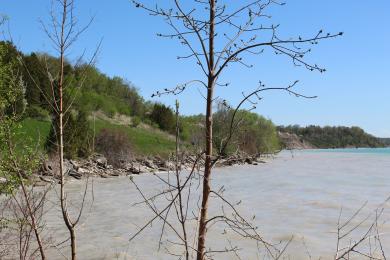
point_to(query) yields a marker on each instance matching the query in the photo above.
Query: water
(297, 194)
(376, 151)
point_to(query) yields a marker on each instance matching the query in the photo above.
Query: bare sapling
(63, 32)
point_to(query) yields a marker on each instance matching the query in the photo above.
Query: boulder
(75, 174)
(47, 180)
(150, 164)
(249, 160)
(46, 169)
(114, 173)
(75, 164)
(101, 161)
(68, 166)
(137, 168)
(83, 170)
(168, 165)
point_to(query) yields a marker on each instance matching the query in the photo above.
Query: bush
(164, 117)
(136, 121)
(115, 145)
(77, 136)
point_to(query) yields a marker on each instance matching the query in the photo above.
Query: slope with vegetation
(111, 108)
(332, 137)
(109, 112)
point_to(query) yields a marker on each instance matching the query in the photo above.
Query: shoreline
(98, 166)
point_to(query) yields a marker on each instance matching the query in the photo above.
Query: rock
(101, 161)
(150, 164)
(249, 160)
(115, 174)
(75, 164)
(46, 169)
(137, 168)
(3, 180)
(47, 180)
(68, 166)
(75, 174)
(168, 165)
(83, 170)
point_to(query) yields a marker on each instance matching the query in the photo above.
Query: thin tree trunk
(178, 185)
(64, 208)
(209, 137)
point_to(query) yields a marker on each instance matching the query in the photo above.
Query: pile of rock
(92, 167)
(240, 160)
(98, 166)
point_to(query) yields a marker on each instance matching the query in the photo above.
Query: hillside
(145, 141)
(327, 137)
(386, 141)
(106, 112)
(291, 141)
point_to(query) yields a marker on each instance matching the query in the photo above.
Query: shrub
(77, 136)
(136, 120)
(164, 117)
(115, 145)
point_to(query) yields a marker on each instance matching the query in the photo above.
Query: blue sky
(354, 91)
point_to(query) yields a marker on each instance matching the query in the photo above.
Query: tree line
(333, 136)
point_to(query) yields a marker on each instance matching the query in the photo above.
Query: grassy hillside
(145, 141)
(34, 132)
(90, 92)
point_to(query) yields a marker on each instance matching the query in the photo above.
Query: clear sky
(354, 91)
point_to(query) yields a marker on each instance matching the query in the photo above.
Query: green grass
(33, 133)
(145, 142)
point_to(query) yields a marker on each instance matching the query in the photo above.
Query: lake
(297, 194)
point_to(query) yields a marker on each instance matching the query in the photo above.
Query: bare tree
(206, 26)
(368, 244)
(63, 33)
(181, 194)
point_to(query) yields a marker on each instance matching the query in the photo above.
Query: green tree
(251, 133)
(164, 117)
(12, 89)
(17, 160)
(77, 136)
